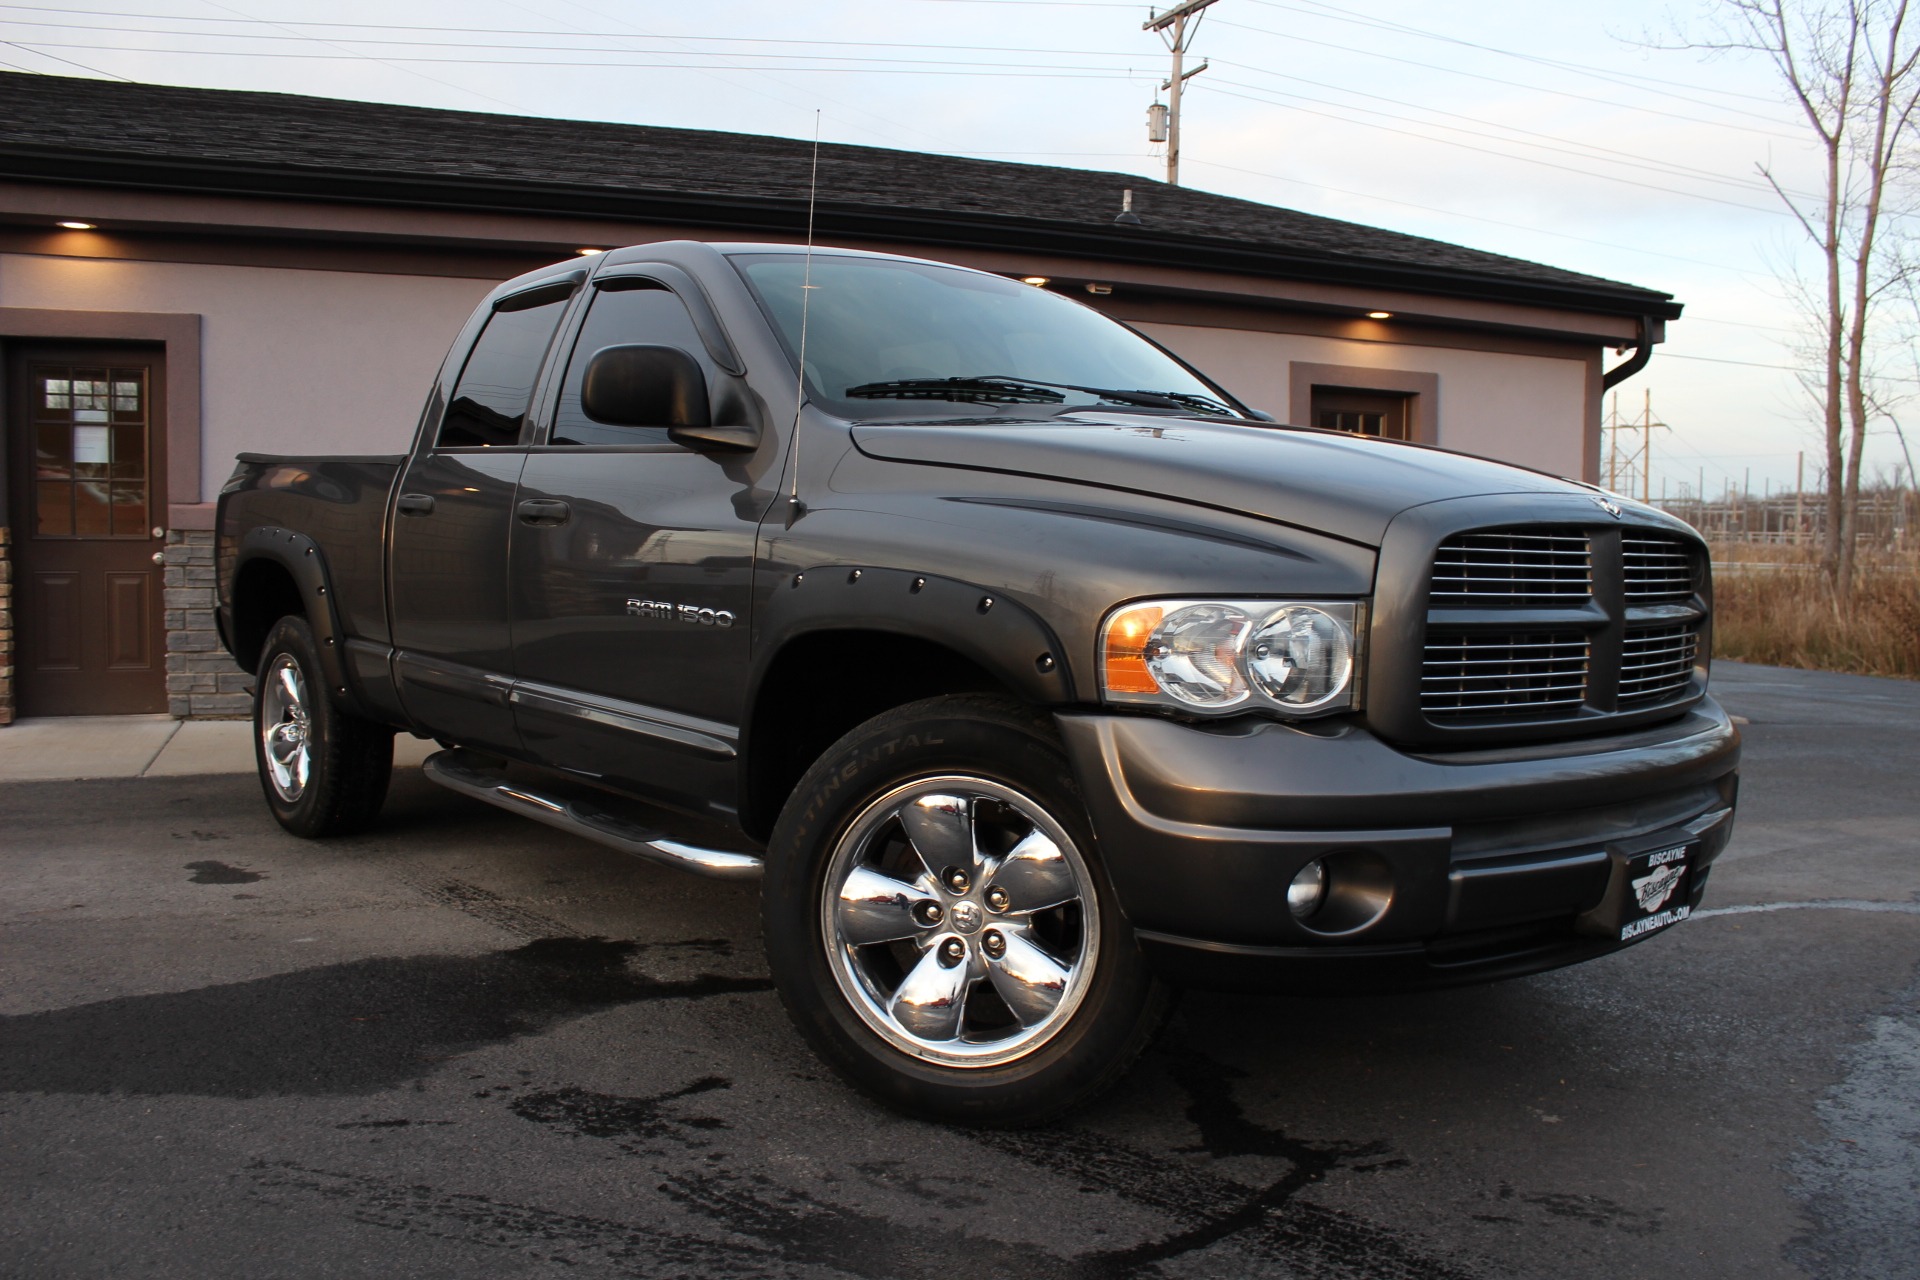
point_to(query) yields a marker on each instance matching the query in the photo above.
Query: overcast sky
(1548, 131)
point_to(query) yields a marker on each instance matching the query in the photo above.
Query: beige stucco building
(269, 273)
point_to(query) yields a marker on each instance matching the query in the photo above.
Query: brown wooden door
(87, 450)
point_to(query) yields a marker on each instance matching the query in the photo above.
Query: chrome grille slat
(1657, 664)
(1503, 674)
(1541, 665)
(1658, 567)
(1506, 567)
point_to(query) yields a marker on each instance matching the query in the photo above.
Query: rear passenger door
(632, 572)
(453, 518)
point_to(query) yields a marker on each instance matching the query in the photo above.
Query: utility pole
(1799, 490)
(1637, 463)
(1178, 38)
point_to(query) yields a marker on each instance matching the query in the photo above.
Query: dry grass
(1778, 610)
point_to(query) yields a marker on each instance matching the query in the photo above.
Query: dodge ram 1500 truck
(1037, 674)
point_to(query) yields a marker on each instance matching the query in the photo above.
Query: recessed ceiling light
(1035, 281)
(588, 253)
(1379, 315)
(78, 226)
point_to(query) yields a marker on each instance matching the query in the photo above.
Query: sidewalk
(65, 748)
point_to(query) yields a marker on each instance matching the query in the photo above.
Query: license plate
(1647, 891)
(1656, 890)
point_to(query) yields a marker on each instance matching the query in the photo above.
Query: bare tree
(1850, 66)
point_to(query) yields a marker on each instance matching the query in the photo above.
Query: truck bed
(340, 501)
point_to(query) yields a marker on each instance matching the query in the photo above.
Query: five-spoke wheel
(959, 920)
(324, 770)
(939, 924)
(285, 727)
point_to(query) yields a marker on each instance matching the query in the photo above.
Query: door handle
(415, 504)
(543, 511)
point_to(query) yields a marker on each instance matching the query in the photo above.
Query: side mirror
(642, 386)
(649, 386)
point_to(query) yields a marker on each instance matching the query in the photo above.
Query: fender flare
(306, 564)
(1002, 636)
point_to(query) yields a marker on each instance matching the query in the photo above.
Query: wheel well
(263, 593)
(820, 686)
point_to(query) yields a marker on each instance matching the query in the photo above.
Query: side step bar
(588, 818)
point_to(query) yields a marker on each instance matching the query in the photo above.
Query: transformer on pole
(1175, 29)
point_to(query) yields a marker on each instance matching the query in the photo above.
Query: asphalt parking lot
(465, 1045)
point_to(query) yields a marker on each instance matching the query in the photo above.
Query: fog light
(1308, 890)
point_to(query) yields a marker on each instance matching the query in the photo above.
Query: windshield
(891, 338)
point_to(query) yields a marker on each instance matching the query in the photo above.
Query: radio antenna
(796, 508)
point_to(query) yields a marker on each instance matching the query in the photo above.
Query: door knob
(159, 557)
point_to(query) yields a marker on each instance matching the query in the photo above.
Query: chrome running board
(589, 818)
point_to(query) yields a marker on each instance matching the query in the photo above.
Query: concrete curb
(72, 748)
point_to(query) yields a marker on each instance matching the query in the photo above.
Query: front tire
(939, 924)
(324, 770)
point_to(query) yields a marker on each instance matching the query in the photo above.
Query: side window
(489, 404)
(645, 313)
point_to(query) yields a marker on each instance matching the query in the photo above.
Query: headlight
(1217, 656)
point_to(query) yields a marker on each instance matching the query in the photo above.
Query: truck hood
(1347, 486)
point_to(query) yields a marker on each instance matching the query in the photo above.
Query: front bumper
(1479, 864)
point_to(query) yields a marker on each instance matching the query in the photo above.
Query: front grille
(1503, 674)
(1494, 567)
(1657, 568)
(1656, 664)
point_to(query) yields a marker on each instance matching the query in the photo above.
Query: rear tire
(939, 924)
(324, 770)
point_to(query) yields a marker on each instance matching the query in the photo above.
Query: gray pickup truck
(1034, 674)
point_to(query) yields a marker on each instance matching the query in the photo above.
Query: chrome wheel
(960, 921)
(285, 731)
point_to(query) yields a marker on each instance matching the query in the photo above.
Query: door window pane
(53, 509)
(90, 453)
(92, 516)
(489, 404)
(651, 316)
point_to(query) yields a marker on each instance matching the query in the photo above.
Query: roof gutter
(1642, 352)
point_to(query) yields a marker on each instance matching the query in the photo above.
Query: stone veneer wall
(6, 626)
(202, 679)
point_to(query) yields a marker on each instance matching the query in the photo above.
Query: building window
(1362, 412)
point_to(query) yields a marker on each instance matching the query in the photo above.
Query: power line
(782, 90)
(1565, 146)
(339, 41)
(1496, 222)
(1017, 71)
(460, 88)
(69, 61)
(1514, 84)
(1505, 155)
(1624, 78)
(578, 33)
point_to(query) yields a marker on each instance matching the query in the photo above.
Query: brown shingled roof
(159, 136)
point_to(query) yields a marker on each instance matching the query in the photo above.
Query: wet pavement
(467, 1045)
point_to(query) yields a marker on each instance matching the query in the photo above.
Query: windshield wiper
(999, 387)
(968, 390)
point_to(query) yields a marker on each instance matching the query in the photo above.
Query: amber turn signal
(1126, 657)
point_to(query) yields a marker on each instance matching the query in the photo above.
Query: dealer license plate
(1655, 887)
